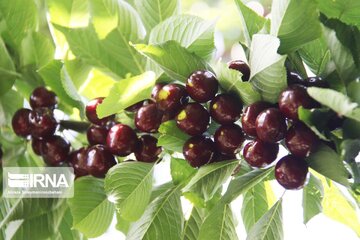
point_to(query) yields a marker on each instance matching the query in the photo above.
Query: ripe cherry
(43, 124)
(92, 115)
(193, 119)
(260, 154)
(202, 86)
(43, 98)
(228, 139)
(148, 118)
(147, 150)
(97, 134)
(156, 90)
(78, 160)
(300, 140)
(249, 116)
(36, 145)
(199, 151)
(316, 82)
(242, 67)
(55, 150)
(292, 98)
(171, 97)
(121, 140)
(225, 109)
(99, 160)
(291, 172)
(21, 122)
(294, 78)
(270, 125)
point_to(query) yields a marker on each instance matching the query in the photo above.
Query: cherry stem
(74, 125)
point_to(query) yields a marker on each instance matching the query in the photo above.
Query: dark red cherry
(300, 140)
(225, 109)
(147, 150)
(292, 98)
(97, 134)
(193, 119)
(199, 151)
(294, 78)
(270, 125)
(249, 116)
(169, 115)
(171, 97)
(43, 98)
(78, 160)
(135, 107)
(291, 172)
(260, 154)
(99, 160)
(55, 150)
(148, 118)
(316, 82)
(228, 139)
(43, 124)
(21, 122)
(92, 115)
(156, 90)
(242, 67)
(202, 86)
(122, 140)
(36, 145)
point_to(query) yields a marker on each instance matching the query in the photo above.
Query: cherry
(43, 124)
(97, 134)
(78, 160)
(225, 109)
(250, 114)
(193, 119)
(55, 150)
(37, 145)
(92, 115)
(171, 97)
(156, 90)
(218, 157)
(169, 115)
(202, 86)
(43, 98)
(294, 78)
(242, 67)
(199, 150)
(291, 172)
(147, 150)
(21, 122)
(99, 160)
(270, 125)
(148, 118)
(300, 140)
(316, 82)
(260, 154)
(121, 140)
(228, 139)
(292, 98)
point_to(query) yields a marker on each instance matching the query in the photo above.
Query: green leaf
(350, 149)
(269, 227)
(316, 119)
(295, 23)
(176, 61)
(351, 129)
(129, 185)
(245, 182)
(209, 178)
(336, 101)
(230, 80)
(353, 91)
(8, 73)
(171, 138)
(181, 171)
(10, 102)
(155, 12)
(328, 163)
(126, 93)
(122, 225)
(91, 210)
(69, 13)
(65, 231)
(347, 11)
(192, 226)
(268, 73)
(163, 218)
(219, 224)
(313, 194)
(250, 20)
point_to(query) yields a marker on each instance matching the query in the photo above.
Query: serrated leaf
(347, 11)
(181, 171)
(269, 227)
(129, 185)
(10, 102)
(219, 224)
(295, 23)
(193, 224)
(65, 231)
(313, 194)
(163, 218)
(171, 138)
(328, 163)
(126, 93)
(92, 212)
(209, 178)
(7, 69)
(268, 73)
